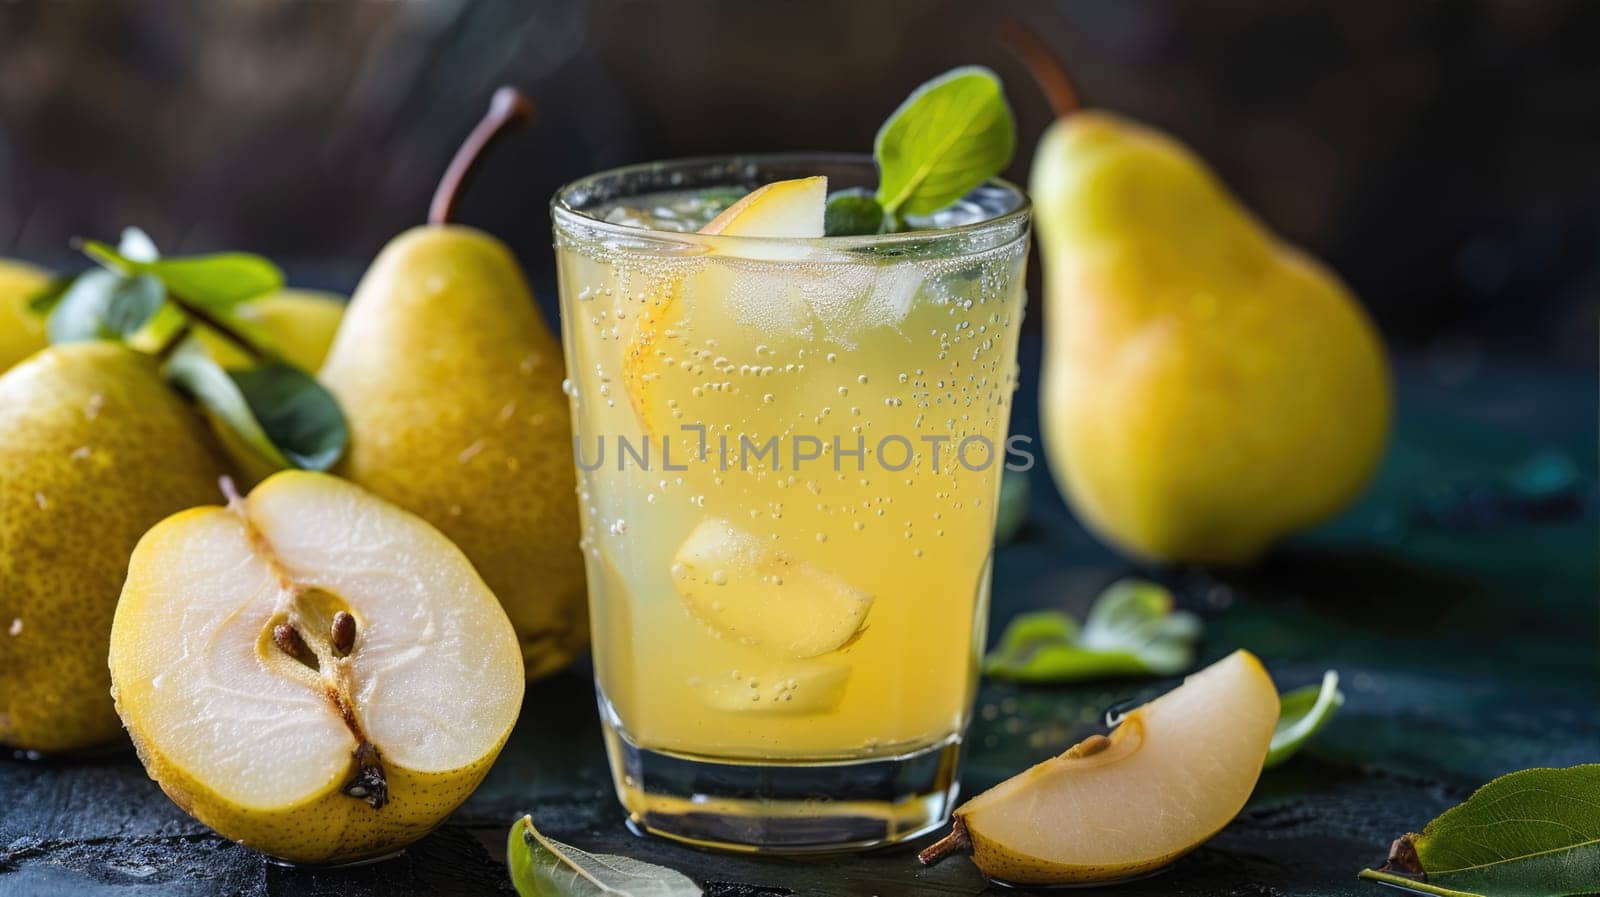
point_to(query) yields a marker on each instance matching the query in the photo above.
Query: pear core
(312, 671)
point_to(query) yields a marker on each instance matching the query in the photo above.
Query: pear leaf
(1303, 713)
(1012, 511)
(851, 213)
(279, 411)
(544, 867)
(47, 298)
(104, 305)
(216, 282)
(1131, 630)
(952, 134)
(1533, 833)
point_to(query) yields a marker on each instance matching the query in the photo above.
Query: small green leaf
(544, 867)
(952, 134)
(1533, 833)
(282, 413)
(851, 213)
(104, 305)
(1303, 712)
(1012, 511)
(1132, 630)
(214, 282)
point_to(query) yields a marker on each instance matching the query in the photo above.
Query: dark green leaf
(1303, 712)
(952, 134)
(282, 413)
(104, 305)
(1012, 510)
(1132, 630)
(45, 301)
(852, 213)
(544, 867)
(213, 282)
(1534, 833)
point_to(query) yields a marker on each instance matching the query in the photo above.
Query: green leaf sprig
(952, 134)
(544, 867)
(1131, 630)
(281, 413)
(1533, 833)
(1302, 713)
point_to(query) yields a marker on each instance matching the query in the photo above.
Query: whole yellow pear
(451, 385)
(22, 333)
(1207, 388)
(94, 449)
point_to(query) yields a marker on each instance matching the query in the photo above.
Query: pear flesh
(451, 386)
(312, 671)
(1206, 388)
(1169, 777)
(94, 449)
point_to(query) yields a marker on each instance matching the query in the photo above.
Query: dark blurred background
(1444, 156)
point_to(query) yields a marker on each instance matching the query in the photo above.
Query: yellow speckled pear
(94, 449)
(1207, 388)
(451, 384)
(22, 333)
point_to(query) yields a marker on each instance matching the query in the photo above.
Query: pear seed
(344, 632)
(288, 640)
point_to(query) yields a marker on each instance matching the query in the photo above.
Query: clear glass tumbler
(789, 454)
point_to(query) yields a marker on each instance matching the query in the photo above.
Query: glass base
(781, 807)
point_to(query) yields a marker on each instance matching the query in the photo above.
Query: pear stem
(508, 107)
(958, 841)
(1043, 63)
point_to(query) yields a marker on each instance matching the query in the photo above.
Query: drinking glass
(789, 455)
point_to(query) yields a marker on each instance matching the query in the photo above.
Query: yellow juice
(789, 457)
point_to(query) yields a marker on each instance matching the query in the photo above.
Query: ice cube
(745, 591)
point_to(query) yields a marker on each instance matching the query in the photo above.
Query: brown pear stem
(508, 107)
(958, 841)
(1043, 63)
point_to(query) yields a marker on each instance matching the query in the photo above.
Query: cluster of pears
(1207, 388)
(349, 611)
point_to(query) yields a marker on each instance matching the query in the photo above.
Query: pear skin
(451, 385)
(22, 333)
(94, 449)
(1207, 388)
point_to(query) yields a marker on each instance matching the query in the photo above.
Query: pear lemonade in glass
(789, 448)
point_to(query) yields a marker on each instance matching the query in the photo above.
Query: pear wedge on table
(450, 383)
(94, 449)
(1172, 774)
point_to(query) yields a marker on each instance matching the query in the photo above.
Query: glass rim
(565, 214)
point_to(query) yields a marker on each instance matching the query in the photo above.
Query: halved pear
(1170, 776)
(745, 590)
(312, 671)
(794, 209)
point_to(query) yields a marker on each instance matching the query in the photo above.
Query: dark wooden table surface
(1458, 600)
